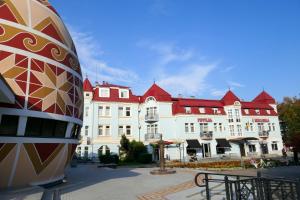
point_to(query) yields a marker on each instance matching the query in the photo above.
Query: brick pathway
(161, 194)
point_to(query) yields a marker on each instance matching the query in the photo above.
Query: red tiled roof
(87, 86)
(158, 93)
(229, 98)
(264, 97)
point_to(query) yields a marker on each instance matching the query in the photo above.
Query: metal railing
(235, 187)
(152, 136)
(206, 135)
(263, 134)
(151, 117)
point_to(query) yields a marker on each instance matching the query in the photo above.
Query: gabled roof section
(229, 98)
(158, 93)
(87, 86)
(264, 97)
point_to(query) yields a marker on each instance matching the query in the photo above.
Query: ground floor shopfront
(194, 149)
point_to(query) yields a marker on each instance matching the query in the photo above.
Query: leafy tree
(289, 113)
(124, 144)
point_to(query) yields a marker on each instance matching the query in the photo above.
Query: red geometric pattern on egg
(38, 59)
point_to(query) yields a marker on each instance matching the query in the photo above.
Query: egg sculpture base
(42, 114)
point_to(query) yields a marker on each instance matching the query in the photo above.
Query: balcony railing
(206, 135)
(152, 136)
(151, 117)
(263, 134)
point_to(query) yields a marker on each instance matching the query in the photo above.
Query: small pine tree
(125, 145)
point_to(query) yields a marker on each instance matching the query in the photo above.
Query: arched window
(104, 150)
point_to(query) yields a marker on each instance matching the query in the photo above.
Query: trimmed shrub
(108, 159)
(145, 158)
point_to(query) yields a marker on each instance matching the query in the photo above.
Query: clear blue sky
(193, 47)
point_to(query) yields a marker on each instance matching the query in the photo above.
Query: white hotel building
(205, 128)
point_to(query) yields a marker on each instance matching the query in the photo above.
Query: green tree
(289, 113)
(125, 145)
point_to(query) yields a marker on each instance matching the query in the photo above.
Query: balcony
(152, 136)
(263, 134)
(151, 118)
(206, 135)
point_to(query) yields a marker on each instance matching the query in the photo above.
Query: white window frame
(274, 146)
(252, 148)
(86, 130)
(186, 127)
(104, 92)
(120, 130)
(128, 128)
(127, 109)
(188, 110)
(106, 113)
(122, 91)
(107, 127)
(202, 110)
(121, 111)
(100, 127)
(192, 127)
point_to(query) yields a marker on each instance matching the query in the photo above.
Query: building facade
(189, 126)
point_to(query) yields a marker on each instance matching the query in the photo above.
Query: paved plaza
(88, 182)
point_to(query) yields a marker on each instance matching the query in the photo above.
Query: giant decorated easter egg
(40, 94)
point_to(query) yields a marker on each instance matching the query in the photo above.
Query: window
(257, 111)
(230, 115)
(39, 127)
(237, 115)
(239, 129)
(152, 128)
(86, 111)
(121, 111)
(220, 127)
(87, 94)
(274, 146)
(9, 125)
(269, 126)
(186, 127)
(231, 130)
(104, 92)
(215, 127)
(203, 127)
(120, 130)
(251, 126)
(247, 126)
(192, 127)
(123, 94)
(128, 130)
(215, 110)
(86, 130)
(252, 148)
(273, 126)
(86, 151)
(246, 111)
(100, 110)
(202, 110)
(127, 114)
(260, 127)
(151, 111)
(79, 151)
(107, 111)
(188, 110)
(100, 130)
(107, 130)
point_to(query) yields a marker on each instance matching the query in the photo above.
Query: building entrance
(206, 150)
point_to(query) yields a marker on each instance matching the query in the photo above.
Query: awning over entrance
(223, 143)
(242, 139)
(193, 144)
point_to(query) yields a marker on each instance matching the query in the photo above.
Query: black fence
(235, 187)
